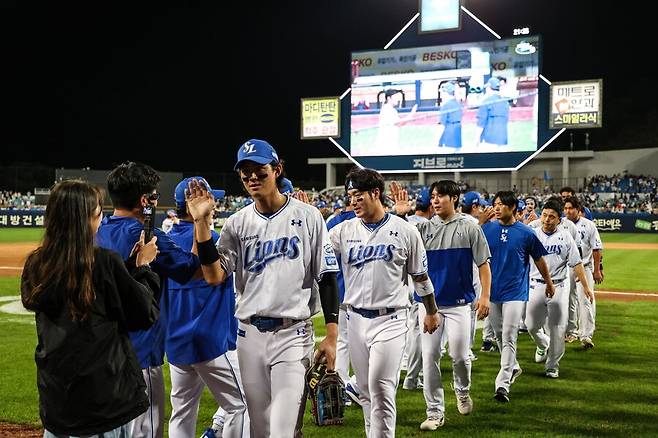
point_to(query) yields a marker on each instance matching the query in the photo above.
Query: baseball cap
(287, 186)
(321, 204)
(179, 193)
(423, 199)
(520, 205)
(473, 198)
(258, 151)
(172, 212)
(337, 205)
(448, 87)
(588, 213)
(494, 83)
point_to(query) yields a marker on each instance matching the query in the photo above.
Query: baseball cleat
(587, 343)
(433, 422)
(472, 356)
(501, 395)
(552, 373)
(516, 372)
(540, 355)
(351, 392)
(411, 384)
(489, 346)
(210, 433)
(570, 338)
(464, 403)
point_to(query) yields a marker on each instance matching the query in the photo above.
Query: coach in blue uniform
(132, 186)
(512, 243)
(201, 339)
(451, 117)
(493, 116)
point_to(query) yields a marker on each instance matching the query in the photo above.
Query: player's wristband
(424, 287)
(208, 253)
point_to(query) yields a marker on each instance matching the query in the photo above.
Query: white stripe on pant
(456, 322)
(376, 346)
(222, 377)
(557, 310)
(151, 423)
(505, 318)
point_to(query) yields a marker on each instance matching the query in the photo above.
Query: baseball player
(377, 252)
(562, 252)
(512, 243)
(132, 186)
(492, 116)
(413, 350)
(278, 247)
(453, 245)
(451, 117)
(591, 253)
(201, 339)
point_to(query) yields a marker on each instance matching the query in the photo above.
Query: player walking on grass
(512, 243)
(378, 251)
(278, 247)
(453, 244)
(562, 252)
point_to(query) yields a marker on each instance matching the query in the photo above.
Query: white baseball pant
(342, 351)
(222, 376)
(151, 423)
(376, 346)
(474, 317)
(557, 310)
(505, 318)
(456, 322)
(587, 309)
(572, 321)
(413, 349)
(273, 365)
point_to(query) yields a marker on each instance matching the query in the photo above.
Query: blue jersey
(119, 234)
(451, 119)
(341, 217)
(201, 324)
(511, 248)
(493, 116)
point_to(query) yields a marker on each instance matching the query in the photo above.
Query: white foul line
(630, 294)
(544, 79)
(345, 152)
(402, 30)
(345, 93)
(481, 22)
(14, 268)
(540, 149)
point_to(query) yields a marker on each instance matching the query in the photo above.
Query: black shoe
(502, 395)
(488, 346)
(515, 373)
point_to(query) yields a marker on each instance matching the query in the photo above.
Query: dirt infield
(622, 245)
(12, 257)
(8, 430)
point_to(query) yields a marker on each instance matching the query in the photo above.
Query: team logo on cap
(248, 147)
(350, 185)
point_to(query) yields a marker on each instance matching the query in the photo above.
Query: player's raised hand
(200, 202)
(302, 196)
(401, 199)
(487, 214)
(482, 308)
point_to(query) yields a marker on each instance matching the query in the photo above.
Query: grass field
(609, 391)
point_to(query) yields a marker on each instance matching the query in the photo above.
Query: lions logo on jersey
(257, 255)
(360, 255)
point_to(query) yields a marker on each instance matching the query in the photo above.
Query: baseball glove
(326, 391)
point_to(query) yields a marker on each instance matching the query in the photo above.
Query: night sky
(98, 83)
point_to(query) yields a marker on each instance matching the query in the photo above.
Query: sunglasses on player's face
(152, 196)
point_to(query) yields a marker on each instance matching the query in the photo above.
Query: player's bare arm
(328, 286)
(201, 205)
(597, 254)
(425, 290)
(543, 270)
(579, 270)
(482, 304)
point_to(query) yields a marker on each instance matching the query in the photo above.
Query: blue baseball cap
(321, 204)
(287, 186)
(494, 83)
(179, 193)
(448, 87)
(588, 213)
(258, 151)
(337, 205)
(473, 198)
(520, 205)
(423, 199)
(171, 213)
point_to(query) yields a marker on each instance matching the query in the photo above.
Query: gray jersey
(590, 240)
(376, 262)
(476, 271)
(278, 258)
(562, 252)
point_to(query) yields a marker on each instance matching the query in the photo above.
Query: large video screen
(452, 99)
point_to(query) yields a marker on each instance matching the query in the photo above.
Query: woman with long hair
(85, 301)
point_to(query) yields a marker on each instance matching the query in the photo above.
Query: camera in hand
(149, 216)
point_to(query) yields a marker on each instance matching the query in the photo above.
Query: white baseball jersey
(376, 262)
(278, 258)
(562, 251)
(414, 219)
(589, 239)
(565, 224)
